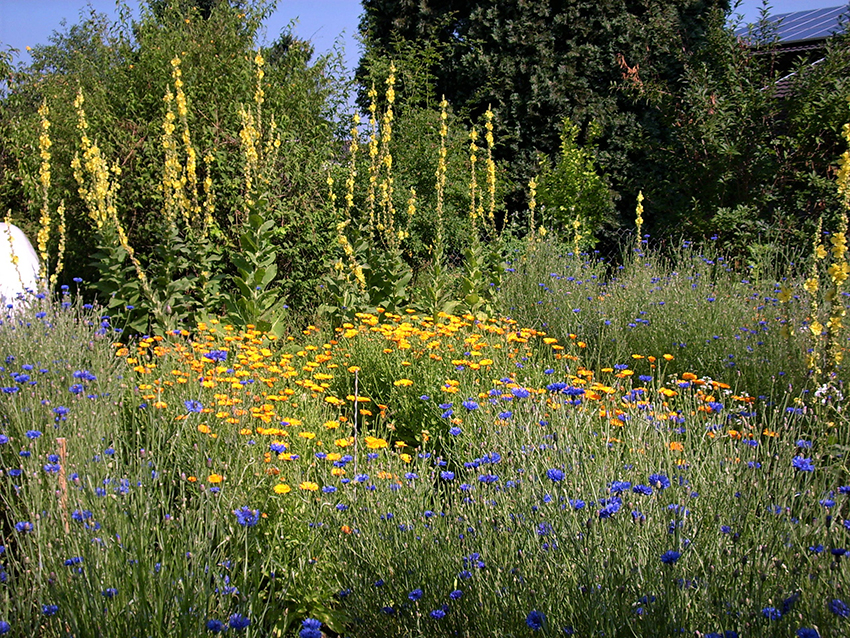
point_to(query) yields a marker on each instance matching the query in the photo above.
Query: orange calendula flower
(309, 486)
(204, 429)
(345, 529)
(215, 478)
(307, 435)
(282, 488)
(675, 446)
(403, 383)
(374, 443)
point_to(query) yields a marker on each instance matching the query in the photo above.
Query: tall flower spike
(44, 145)
(491, 171)
(639, 217)
(473, 181)
(441, 172)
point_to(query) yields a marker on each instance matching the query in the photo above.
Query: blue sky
(29, 22)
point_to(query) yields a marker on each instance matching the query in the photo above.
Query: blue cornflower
(215, 626)
(193, 406)
(520, 393)
(415, 595)
(5, 627)
(610, 507)
(456, 594)
(33, 434)
(411, 476)
(447, 476)
(807, 632)
(76, 389)
(49, 610)
(577, 503)
(109, 592)
(771, 613)
(802, 464)
(247, 517)
(3, 439)
(504, 416)
(555, 474)
(454, 430)
(659, 481)
(642, 489)
(437, 614)
(620, 486)
(216, 355)
(470, 405)
(310, 628)
(238, 622)
(328, 489)
(535, 620)
(839, 608)
(670, 557)
(23, 527)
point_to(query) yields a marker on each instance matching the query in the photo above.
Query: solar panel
(799, 26)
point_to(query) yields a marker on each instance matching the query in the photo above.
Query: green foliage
(124, 70)
(255, 301)
(539, 62)
(731, 150)
(574, 191)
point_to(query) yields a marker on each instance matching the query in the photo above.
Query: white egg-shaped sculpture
(19, 280)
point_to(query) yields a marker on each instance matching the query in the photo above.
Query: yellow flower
(331, 425)
(403, 383)
(307, 435)
(309, 486)
(675, 446)
(282, 488)
(215, 478)
(374, 443)
(811, 285)
(203, 429)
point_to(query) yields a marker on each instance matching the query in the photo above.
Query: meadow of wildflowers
(558, 445)
(406, 474)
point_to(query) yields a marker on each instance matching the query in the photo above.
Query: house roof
(800, 27)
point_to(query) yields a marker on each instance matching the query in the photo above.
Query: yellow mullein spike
(639, 217)
(441, 171)
(532, 204)
(44, 145)
(14, 257)
(473, 181)
(491, 171)
(60, 253)
(373, 157)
